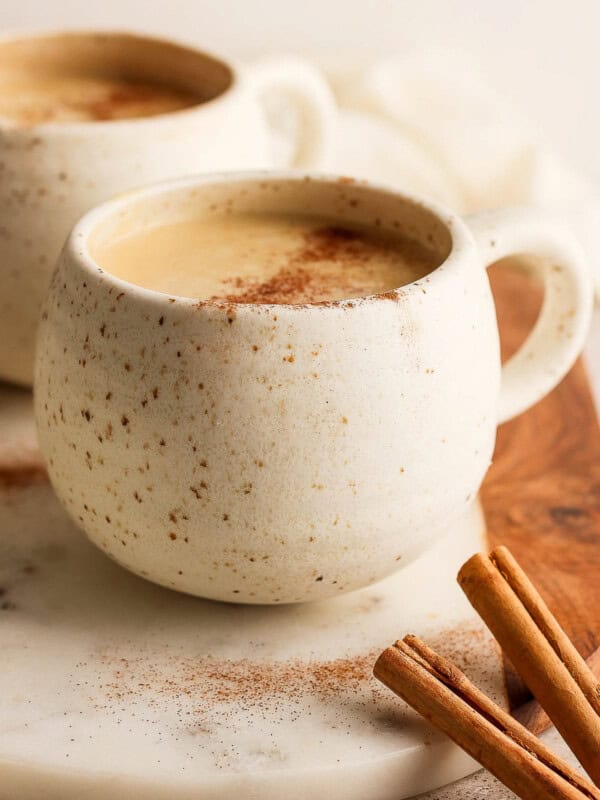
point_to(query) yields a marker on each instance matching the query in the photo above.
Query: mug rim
(82, 126)
(461, 240)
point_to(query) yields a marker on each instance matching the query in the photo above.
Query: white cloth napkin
(426, 122)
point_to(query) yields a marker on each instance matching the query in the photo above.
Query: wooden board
(542, 495)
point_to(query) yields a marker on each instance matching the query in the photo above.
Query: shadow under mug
(52, 173)
(284, 453)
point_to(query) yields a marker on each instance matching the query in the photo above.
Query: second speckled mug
(53, 172)
(189, 446)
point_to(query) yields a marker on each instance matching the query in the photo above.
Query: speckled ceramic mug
(51, 173)
(192, 449)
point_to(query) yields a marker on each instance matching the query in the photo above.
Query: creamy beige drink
(265, 258)
(31, 97)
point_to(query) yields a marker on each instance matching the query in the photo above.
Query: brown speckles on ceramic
(218, 411)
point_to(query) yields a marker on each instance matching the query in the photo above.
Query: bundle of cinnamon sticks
(562, 682)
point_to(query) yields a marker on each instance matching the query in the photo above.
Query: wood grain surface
(542, 495)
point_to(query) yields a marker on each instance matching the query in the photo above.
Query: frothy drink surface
(30, 98)
(265, 258)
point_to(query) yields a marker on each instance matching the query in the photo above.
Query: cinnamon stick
(539, 649)
(440, 692)
(533, 717)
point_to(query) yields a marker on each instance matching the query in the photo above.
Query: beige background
(543, 54)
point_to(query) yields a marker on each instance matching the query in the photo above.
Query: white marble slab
(113, 687)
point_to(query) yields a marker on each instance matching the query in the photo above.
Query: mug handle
(560, 331)
(310, 92)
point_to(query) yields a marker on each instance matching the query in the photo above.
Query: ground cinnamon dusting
(295, 282)
(105, 100)
(21, 475)
(213, 681)
(117, 101)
